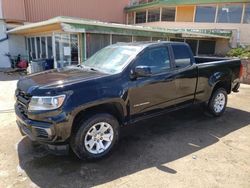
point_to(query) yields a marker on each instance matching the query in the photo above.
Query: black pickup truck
(83, 107)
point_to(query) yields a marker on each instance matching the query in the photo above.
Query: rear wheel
(218, 102)
(96, 136)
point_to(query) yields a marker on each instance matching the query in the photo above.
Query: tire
(218, 102)
(91, 141)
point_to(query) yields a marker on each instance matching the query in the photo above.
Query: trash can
(49, 64)
(37, 66)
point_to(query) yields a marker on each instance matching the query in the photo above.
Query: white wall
(14, 45)
(1, 10)
(4, 46)
(17, 45)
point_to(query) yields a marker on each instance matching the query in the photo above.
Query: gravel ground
(182, 149)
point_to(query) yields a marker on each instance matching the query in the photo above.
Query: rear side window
(181, 55)
(156, 58)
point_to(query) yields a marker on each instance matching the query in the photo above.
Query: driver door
(156, 92)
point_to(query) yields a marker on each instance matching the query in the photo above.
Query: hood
(57, 77)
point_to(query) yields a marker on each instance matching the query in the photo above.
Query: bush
(240, 53)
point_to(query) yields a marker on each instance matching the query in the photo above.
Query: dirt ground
(182, 149)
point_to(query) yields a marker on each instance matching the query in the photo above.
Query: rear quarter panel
(209, 74)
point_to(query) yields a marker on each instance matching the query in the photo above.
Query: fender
(118, 101)
(217, 77)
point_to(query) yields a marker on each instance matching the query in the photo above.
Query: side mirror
(142, 71)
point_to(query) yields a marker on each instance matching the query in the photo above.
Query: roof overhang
(78, 25)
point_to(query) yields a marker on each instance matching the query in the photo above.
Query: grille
(23, 100)
(41, 133)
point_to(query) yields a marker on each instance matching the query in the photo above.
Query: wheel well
(223, 84)
(114, 109)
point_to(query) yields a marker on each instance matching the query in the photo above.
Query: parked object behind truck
(84, 106)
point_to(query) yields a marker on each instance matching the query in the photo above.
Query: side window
(156, 58)
(181, 55)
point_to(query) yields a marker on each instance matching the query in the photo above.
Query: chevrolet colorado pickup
(83, 107)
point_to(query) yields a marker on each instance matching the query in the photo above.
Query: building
(210, 27)
(68, 40)
(204, 16)
(14, 13)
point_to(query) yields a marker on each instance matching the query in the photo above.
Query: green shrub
(239, 52)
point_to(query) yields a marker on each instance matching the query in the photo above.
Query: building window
(130, 18)
(121, 38)
(62, 50)
(29, 48)
(40, 47)
(141, 38)
(185, 13)
(49, 47)
(33, 48)
(95, 42)
(229, 13)
(140, 17)
(74, 48)
(154, 15)
(206, 47)
(247, 14)
(66, 49)
(205, 14)
(43, 47)
(168, 14)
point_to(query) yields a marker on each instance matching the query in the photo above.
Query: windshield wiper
(86, 67)
(81, 66)
(93, 69)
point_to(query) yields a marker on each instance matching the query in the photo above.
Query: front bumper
(45, 132)
(35, 130)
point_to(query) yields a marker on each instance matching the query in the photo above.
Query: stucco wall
(222, 47)
(246, 71)
(4, 46)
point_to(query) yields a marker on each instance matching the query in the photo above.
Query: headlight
(46, 102)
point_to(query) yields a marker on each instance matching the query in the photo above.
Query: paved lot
(181, 149)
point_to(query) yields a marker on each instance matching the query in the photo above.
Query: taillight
(241, 70)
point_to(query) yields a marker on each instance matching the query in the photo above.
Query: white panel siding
(13, 10)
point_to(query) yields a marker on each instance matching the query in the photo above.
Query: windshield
(112, 59)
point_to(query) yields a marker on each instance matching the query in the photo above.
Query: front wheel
(96, 137)
(218, 102)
